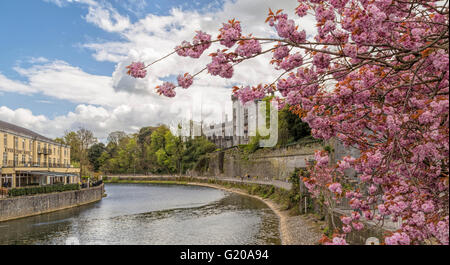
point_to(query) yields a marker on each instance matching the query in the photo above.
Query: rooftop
(11, 128)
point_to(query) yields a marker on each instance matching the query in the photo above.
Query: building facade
(30, 159)
(236, 131)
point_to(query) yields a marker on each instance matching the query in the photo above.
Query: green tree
(71, 139)
(95, 152)
(195, 151)
(85, 138)
(174, 150)
(291, 128)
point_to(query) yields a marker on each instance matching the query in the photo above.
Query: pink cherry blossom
(137, 70)
(281, 52)
(167, 89)
(374, 77)
(248, 48)
(230, 33)
(185, 80)
(335, 187)
(201, 42)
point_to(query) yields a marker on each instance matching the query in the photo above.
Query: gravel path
(301, 231)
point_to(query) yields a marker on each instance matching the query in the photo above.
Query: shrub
(42, 189)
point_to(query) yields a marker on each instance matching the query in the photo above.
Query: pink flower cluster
(292, 61)
(376, 80)
(248, 48)
(321, 60)
(286, 28)
(338, 3)
(335, 187)
(301, 10)
(247, 94)
(185, 80)
(167, 89)
(281, 52)
(337, 241)
(440, 230)
(137, 70)
(398, 239)
(230, 33)
(221, 65)
(201, 42)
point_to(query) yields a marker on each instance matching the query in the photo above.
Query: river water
(152, 214)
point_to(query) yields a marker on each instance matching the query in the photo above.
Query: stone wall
(24, 206)
(265, 163)
(273, 163)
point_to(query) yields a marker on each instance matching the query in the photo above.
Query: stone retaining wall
(24, 206)
(266, 163)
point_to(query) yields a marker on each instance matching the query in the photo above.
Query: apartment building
(28, 158)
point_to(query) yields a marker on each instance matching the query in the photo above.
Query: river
(153, 214)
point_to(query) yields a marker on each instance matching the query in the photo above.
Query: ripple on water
(153, 214)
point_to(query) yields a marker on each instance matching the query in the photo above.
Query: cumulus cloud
(101, 108)
(100, 13)
(7, 85)
(154, 36)
(118, 102)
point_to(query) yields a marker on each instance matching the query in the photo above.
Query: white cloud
(154, 36)
(100, 107)
(118, 102)
(7, 85)
(34, 60)
(100, 13)
(107, 18)
(59, 3)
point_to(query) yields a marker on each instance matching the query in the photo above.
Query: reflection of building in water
(235, 131)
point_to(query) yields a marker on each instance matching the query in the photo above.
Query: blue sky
(63, 62)
(37, 28)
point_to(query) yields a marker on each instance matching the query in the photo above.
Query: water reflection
(152, 214)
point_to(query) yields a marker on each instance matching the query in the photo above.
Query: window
(16, 159)
(16, 142)
(5, 158)
(23, 144)
(5, 140)
(31, 145)
(23, 159)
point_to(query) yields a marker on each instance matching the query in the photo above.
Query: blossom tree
(375, 76)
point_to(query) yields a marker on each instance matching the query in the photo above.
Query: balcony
(13, 164)
(45, 151)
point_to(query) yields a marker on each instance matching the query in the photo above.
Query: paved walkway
(276, 183)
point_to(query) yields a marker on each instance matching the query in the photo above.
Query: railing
(45, 151)
(11, 163)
